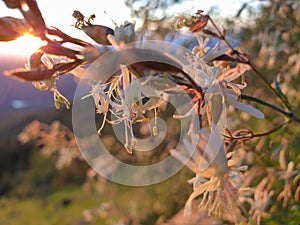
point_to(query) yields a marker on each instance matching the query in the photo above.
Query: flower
(215, 78)
(127, 107)
(44, 62)
(220, 184)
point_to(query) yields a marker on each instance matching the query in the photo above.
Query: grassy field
(104, 203)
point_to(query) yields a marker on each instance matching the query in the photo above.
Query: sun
(24, 45)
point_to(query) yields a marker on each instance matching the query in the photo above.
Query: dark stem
(271, 131)
(287, 114)
(252, 135)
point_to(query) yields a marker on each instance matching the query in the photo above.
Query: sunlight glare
(24, 45)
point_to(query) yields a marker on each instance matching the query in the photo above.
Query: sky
(58, 13)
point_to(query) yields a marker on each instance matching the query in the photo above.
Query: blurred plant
(155, 15)
(220, 164)
(276, 36)
(54, 139)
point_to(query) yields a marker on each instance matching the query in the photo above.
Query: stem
(271, 131)
(251, 135)
(267, 83)
(220, 34)
(290, 115)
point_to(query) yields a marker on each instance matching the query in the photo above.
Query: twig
(290, 115)
(252, 135)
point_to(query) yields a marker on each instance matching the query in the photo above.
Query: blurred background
(37, 188)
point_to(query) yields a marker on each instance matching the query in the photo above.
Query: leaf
(63, 68)
(39, 75)
(66, 38)
(54, 48)
(30, 75)
(12, 4)
(152, 60)
(249, 109)
(281, 94)
(33, 16)
(98, 33)
(11, 28)
(8, 35)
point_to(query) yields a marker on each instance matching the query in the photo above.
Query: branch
(290, 115)
(250, 135)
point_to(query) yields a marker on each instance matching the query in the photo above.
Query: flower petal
(249, 109)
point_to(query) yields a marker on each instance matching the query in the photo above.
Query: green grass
(46, 210)
(145, 205)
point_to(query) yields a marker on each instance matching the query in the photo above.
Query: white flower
(214, 79)
(219, 185)
(209, 48)
(46, 62)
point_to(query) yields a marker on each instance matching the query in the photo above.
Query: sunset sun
(24, 45)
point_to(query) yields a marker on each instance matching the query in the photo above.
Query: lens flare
(24, 45)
